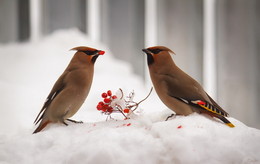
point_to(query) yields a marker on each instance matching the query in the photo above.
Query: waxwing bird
(70, 90)
(176, 89)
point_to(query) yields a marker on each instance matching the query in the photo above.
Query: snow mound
(146, 139)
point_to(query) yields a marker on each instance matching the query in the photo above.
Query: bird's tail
(42, 125)
(226, 121)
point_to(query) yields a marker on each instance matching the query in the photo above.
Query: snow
(29, 70)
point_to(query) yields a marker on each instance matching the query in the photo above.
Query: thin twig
(123, 114)
(146, 96)
(137, 104)
(121, 93)
(120, 110)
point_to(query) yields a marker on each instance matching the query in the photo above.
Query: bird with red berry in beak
(70, 90)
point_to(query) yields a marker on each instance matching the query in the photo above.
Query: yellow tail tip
(230, 125)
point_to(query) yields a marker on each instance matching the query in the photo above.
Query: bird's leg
(77, 122)
(172, 115)
(65, 123)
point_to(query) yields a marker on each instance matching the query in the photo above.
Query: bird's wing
(57, 88)
(210, 109)
(186, 88)
(204, 106)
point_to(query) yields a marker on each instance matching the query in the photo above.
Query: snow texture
(29, 70)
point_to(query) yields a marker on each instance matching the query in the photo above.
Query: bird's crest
(89, 50)
(83, 48)
(160, 48)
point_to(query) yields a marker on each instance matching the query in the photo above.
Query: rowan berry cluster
(105, 105)
(116, 103)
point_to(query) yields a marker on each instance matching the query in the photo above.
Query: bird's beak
(100, 52)
(147, 51)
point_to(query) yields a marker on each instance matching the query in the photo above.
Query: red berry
(114, 97)
(104, 108)
(99, 107)
(107, 100)
(126, 110)
(101, 52)
(101, 103)
(110, 109)
(179, 127)
(109, 93)
(104, 95)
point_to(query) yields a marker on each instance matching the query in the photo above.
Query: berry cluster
(105, 105)
(118, 104)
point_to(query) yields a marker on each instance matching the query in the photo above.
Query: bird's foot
(172, 115)
(65, 123)
(77, 122)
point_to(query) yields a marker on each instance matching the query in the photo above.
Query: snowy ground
(27, 74)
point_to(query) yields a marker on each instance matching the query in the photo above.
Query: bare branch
(146, 96)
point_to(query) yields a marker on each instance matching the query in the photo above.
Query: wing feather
(185, 87)
(217, 106)
(57, 88)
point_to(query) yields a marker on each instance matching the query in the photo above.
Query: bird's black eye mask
(95, 54)
(155, 51)
(91, 52)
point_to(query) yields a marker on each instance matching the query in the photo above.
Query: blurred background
(217, 42)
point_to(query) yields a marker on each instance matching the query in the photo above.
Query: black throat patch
(94, 58)
(150, 59)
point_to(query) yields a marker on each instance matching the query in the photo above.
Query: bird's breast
(161, 85)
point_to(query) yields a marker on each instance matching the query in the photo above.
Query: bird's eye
(90, 52)
(155, 51)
